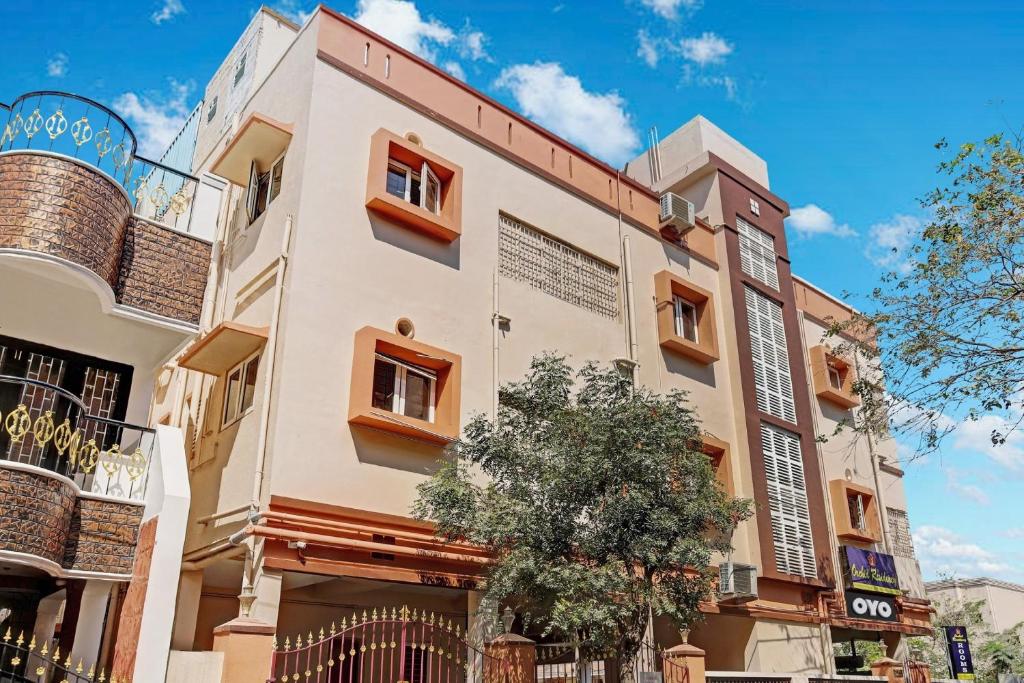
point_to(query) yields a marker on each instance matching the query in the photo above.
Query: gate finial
(404, 612)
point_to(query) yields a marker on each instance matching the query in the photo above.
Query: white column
(46, 617)
(186, 610)
(91, 614)
(267, 588)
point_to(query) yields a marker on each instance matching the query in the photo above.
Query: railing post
(510, 658)
(248, 647)
(683, 663)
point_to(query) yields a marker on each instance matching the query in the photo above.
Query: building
(103, 277)
(1002, 602)
(392, 247)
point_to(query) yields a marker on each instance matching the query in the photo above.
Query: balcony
(73, 485)
(73, 189)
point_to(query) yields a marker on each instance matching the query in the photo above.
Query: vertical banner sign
(959, 653)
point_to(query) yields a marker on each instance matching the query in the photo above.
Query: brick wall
(134, 602)
(163, 271)
(102, 536)
(57, 207)
(64, 209)
(35, 513)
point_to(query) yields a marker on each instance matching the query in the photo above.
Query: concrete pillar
(511, 659)
(248, 648)
(92, 612)
(889, 668)
(267, 590)
(46, 617)
(683, 663)
(186, 610)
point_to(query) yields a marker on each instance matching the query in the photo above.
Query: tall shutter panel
(252, 192)
(773, 383)
(757, 254)
(787, 502)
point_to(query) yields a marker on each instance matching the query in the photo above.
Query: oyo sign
(867, 606)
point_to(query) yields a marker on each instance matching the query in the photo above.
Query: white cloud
(648, 48)
(669, 9)
(294, 10)
(955, 482)
(473, 43)
(167, 11)
(889, 241)
(942, 552)
(727, 83)
(400, 21)
(57, 67)
(455, 69)
(155, 117)
(976, 435)
(708, 48)
(1017, 532)
(556, 100)
(811, 220)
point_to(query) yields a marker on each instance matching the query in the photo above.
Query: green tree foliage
(593, 498)
(948, 318)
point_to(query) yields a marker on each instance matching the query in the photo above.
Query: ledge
(821, 358)
(260, 139)
(224, 346)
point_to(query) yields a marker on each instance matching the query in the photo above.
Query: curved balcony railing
(81, 129)
(51, 428)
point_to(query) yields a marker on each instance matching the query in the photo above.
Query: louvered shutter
(787, 501)
(757, 254)
(773, 382)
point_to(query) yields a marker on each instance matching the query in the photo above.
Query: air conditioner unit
(737, 582)
(676, 216)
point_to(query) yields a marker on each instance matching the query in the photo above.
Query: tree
(948, 319)
(598, 506)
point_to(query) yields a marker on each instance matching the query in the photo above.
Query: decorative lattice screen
(899, 531)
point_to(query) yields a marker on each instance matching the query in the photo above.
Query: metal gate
(22, 662)
(388, 646)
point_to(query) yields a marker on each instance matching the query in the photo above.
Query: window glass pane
(231, 395)
(686, 319)
(431, 200)
(211, 111)
(275, 179)
(414, 190)
(396, 181)
(262, 191)
(383, 384)
(835, 378)
(417, 396)
(249, 385)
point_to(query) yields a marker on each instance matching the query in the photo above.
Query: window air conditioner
(737, 582)
(676, 216)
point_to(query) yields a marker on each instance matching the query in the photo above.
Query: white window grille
(772, 380)
(557, 269)
(757, 254)
(899, 532)
(787, 501)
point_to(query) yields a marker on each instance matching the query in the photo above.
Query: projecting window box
(686, 318)
(413, 187)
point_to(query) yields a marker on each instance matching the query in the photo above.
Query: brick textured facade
(102, 536)
(134, 602)
(43, 516)
(55, 206)
(163, 271)
(35, 513)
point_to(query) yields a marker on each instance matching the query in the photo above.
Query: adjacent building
(393, 246)
(1002, 602)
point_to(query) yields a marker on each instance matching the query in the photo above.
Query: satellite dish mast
(654, 154)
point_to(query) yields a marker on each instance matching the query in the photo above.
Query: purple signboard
(871, 572)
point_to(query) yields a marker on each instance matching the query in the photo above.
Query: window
(857, 506)
(420, 188)
(899, 532)
(556, 268)
(773, 383)
(240, 389)
(239, 69)
(263, 188)
(686, 319)
(835, 377)
(211, 111)
(402, 388)
(787, 502)
(757, 254)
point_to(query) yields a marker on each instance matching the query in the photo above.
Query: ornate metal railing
(389, 645)
(79, 128)
(51, 428)
(563, 663)
(22, 662)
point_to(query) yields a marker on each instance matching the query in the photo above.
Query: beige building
(394, 246)
(1002, 602)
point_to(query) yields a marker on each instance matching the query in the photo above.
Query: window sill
(411, 427)
(692, 350)
(839, 398)
(235, 420)
(412, 216)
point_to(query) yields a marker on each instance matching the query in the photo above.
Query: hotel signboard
(959, 648)
(871, 572)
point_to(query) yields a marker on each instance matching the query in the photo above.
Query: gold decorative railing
(79, 128)
(49, 427)
(29, 661)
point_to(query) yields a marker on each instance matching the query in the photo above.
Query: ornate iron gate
(388, 646)
(22, 662)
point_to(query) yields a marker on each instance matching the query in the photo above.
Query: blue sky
(844, 101)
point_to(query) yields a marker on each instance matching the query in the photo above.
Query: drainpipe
(883, 512)
(495, 339)
(627, 272)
